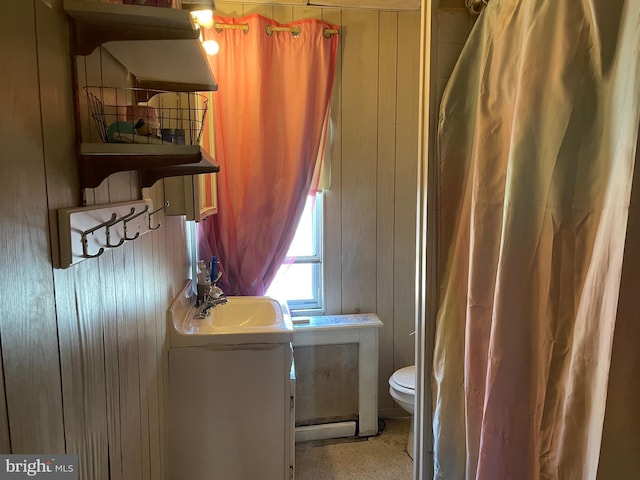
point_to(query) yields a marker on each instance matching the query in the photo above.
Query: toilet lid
(404, 379)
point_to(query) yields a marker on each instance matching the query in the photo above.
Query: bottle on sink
(214, 272)
(203, 281)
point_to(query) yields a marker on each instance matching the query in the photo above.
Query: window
(299, 279)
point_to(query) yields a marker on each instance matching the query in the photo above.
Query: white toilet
(402, 387)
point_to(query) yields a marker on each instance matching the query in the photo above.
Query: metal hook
(108, 232)
(85, 242)
(164, 207)
(129, 218)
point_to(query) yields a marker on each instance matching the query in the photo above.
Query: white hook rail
(87, 232)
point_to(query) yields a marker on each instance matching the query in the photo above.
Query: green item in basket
(119, 128)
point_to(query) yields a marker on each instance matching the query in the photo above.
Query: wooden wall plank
(149, 362)
(89, 391)
(87, 130)
(56, 106)
(282, 14)
(77, 300)
(302, 12)
(264, 10)
(406, 187)
(153, 326)
(132, 442)
(333, 196)
(109, 316)
(229, 9)
(162, 298)
(82, 357)
(128, 367)
(28, 326)
(150, 455)
(385, 234)
(359, 160)
(79, 323)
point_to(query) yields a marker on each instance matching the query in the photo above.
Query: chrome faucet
(212, 298)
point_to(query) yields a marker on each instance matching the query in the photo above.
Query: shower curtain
(536, 359)
(271, 115)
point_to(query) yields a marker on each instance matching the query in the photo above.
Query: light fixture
(211, 47)
(201, 11)
(204, 18)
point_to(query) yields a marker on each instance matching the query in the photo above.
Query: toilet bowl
(402, 387)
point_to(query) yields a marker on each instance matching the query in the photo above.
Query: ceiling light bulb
(204, 18)
(211, 47)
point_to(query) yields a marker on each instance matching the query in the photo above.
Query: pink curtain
(272, 103)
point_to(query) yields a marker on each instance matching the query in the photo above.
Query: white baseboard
(325, 431)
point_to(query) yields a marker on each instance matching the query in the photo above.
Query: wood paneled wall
(84, 357)
(370, 209)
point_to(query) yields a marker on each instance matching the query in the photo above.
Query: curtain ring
(231, 26)
(327, 32)
(295, 31)
(476, 6)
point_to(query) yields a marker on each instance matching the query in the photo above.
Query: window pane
(294, 282)
(299, 279)
(303, 245)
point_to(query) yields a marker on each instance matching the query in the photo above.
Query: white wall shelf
(161, 49)
(159, 46)
(152, 162)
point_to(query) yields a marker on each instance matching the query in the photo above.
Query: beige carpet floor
(383, 457)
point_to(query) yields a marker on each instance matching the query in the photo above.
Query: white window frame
(313, 305)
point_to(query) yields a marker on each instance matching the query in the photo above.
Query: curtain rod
(295, 31)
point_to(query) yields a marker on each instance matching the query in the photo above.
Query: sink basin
(241, 320)
(242, 312)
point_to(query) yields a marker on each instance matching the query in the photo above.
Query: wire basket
(134, 115)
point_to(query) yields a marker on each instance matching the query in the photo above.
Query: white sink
(241, 320)
(241, 312)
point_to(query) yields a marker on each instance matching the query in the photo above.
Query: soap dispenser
(203, 281)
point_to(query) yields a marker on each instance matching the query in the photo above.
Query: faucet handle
(215, 292)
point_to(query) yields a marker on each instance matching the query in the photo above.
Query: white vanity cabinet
(231, 412)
